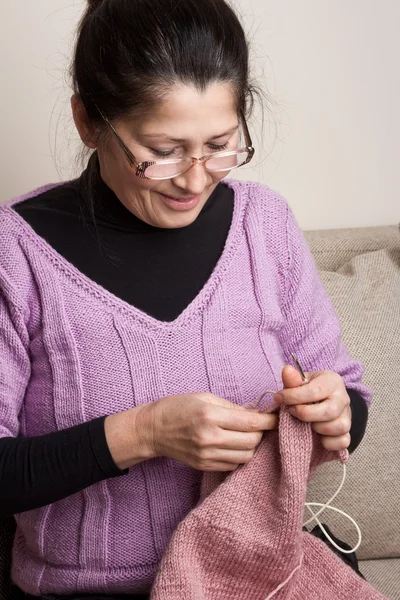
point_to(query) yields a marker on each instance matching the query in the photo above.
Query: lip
(180, 203)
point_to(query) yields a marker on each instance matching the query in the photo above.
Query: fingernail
(278, 398)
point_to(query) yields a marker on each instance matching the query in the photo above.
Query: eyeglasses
(170, 168)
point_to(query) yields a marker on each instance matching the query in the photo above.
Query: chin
(177, 220)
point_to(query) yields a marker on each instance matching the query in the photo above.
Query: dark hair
(130, 52)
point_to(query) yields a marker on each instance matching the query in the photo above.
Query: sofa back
(360, 269)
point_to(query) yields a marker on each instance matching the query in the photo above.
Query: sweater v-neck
(106, 298)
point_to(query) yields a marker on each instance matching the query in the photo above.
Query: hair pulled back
(129, 53)
(93, 4)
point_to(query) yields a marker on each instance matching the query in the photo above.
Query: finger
(339, 426)
(246, 421)
(321, 386)
(328, 410)
(237, 440)
(217, 401)
(291, 378)
(219, 467)
(336, 443)
(234, 457)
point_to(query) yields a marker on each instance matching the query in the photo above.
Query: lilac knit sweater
(71, 351)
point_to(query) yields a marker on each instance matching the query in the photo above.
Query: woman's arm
(38, 471)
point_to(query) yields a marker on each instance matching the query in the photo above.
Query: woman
(145, 304)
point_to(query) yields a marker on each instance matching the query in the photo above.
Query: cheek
(217, 177)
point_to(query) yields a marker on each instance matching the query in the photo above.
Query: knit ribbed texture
(71, 351)
(245, 539)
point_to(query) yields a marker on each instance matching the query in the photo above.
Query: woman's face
(187, 123)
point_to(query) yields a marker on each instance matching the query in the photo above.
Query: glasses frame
(142, 166)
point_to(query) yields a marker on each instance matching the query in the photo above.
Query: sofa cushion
(332, 248)
(384, 575)
(366, 294)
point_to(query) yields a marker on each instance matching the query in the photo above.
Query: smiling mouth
(180, 199)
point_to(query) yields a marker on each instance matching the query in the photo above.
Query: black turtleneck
(157, 270)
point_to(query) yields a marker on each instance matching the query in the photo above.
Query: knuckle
(204, 413)
(345, 424)
(329, 411)
(315, 392)
(251, 442)
(252, 423)
(202, 458)
(200, 441)
(302, 413)
(248, 457)
(347, 402)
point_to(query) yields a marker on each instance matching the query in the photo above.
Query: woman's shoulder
(270, 214)
(260, 198)
(18, 242)
(269, 209)
(12, 227)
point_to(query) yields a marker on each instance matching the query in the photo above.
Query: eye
(218, 147)
(163, 153)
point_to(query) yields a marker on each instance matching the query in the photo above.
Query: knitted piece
(245, 540)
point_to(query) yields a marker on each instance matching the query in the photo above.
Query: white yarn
(327, 505)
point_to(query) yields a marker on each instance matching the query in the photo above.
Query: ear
(82, 123)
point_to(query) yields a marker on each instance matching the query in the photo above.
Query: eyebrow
(181, 140)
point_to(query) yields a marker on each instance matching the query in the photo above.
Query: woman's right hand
(202, 431)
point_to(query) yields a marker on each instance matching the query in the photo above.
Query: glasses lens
(168, 168)
(223, 161)
(227, 161)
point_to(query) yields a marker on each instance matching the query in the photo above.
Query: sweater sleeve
(40, 470)
(359, 412)
(37, 471)
(312, 330)
(15, 366)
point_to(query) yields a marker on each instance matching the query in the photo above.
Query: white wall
(332, 67)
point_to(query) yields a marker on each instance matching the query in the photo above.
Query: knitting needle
(304, 378)
(298, 367)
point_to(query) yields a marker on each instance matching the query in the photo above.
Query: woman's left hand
(331, 417)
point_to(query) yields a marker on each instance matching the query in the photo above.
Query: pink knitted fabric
(245, 540)
(71, 351)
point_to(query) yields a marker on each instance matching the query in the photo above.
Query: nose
(193, 181)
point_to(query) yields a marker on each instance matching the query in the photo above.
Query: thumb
(291, 378)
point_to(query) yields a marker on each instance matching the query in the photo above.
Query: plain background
(330, 143)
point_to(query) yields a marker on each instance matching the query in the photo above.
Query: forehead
(187, 111)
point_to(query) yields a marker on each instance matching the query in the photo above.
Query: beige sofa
(360, 269)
